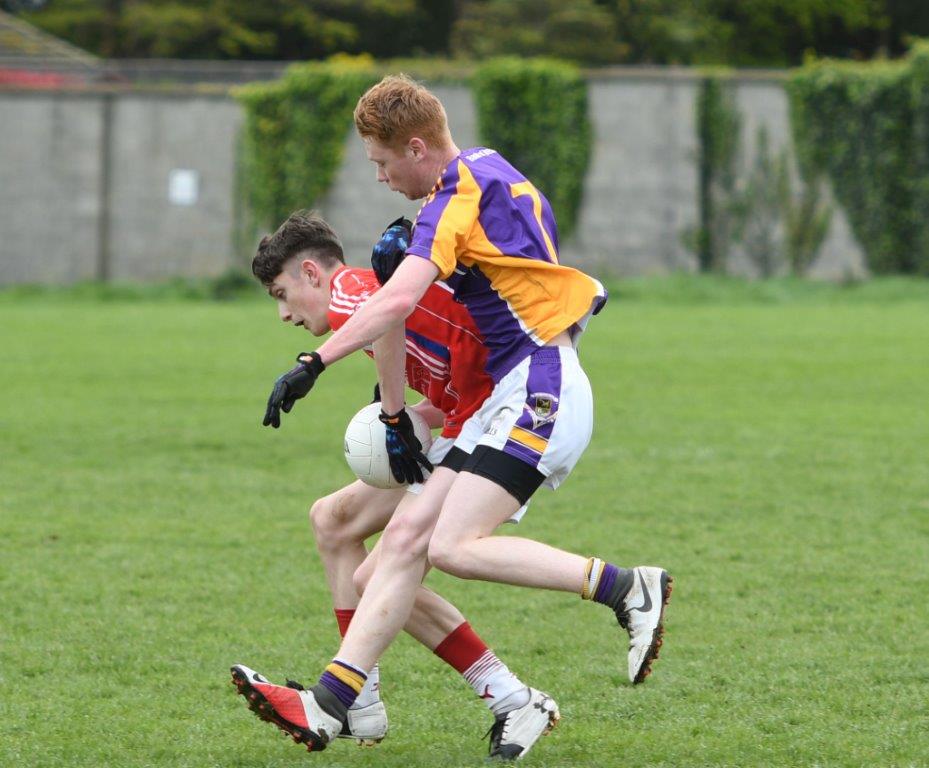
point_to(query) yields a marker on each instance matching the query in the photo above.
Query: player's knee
(444, 555)
(329, 522)
(319, 514)
(403, 540)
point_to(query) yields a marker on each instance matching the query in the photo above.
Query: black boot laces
(496, 733)
(622, 616)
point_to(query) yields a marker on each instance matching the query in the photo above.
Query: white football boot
(294, 711)
(642, 616)
(513, 733)
(367, 725)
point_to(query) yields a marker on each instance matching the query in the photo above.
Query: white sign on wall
(183, 186)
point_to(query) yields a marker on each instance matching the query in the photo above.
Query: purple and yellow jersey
(493, 237)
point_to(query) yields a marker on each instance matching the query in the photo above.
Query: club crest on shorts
(542, 408)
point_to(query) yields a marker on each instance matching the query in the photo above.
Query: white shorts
(439, 448)
(437, 451)
(541, 413)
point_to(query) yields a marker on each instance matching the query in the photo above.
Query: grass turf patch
(771, 454)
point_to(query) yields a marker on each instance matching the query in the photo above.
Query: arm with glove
(378, 321)
(404, 450)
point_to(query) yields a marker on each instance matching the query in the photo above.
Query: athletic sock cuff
(344, 681)
(348, 674)
(461, 648)
(591, 575)
(343, 617)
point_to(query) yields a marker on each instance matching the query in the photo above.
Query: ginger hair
(398, 109)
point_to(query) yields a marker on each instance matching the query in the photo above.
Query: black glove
(291, 386)
(391, 248)
(404, 450)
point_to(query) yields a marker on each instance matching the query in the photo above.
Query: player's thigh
(412, 523)
(357, 510)
(474, 507)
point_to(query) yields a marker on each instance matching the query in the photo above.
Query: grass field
(767, 443)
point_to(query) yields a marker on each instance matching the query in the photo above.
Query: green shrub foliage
(866, 126)
(261, 160)
(718, 133)
(294, 135)
(534, 112)
(755, 209)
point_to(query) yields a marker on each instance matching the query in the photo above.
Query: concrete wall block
(640, 189)
(151, 236)
(640, 193)
(49, 188)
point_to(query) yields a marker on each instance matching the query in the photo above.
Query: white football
(366, 448)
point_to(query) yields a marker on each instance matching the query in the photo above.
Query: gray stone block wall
(640, 189)
(151, 236)
(70, 211)
(764, 104)
(49, 187)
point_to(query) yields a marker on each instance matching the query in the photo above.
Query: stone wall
(84, 185)
(137, 185)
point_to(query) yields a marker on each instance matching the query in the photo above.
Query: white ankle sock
(371, 691)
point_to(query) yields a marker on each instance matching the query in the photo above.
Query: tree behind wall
(230, 29)
(731, 32)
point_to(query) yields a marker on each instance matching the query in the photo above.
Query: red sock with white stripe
(372, 687)
(490, 678)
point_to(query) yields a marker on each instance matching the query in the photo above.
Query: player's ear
(311, 269)
(417, 148)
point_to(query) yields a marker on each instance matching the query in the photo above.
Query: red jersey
(445, 354)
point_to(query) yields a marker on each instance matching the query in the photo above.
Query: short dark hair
(303, 231)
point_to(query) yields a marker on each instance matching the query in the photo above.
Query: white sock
(515, 700)
(371, 692)
(592, 577)
(493, 682)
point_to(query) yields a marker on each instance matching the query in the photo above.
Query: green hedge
(866, 126)
(295, 128)
(753, 208)
(534, 111)
(294, 135)
(719, 127)
(261, 159)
